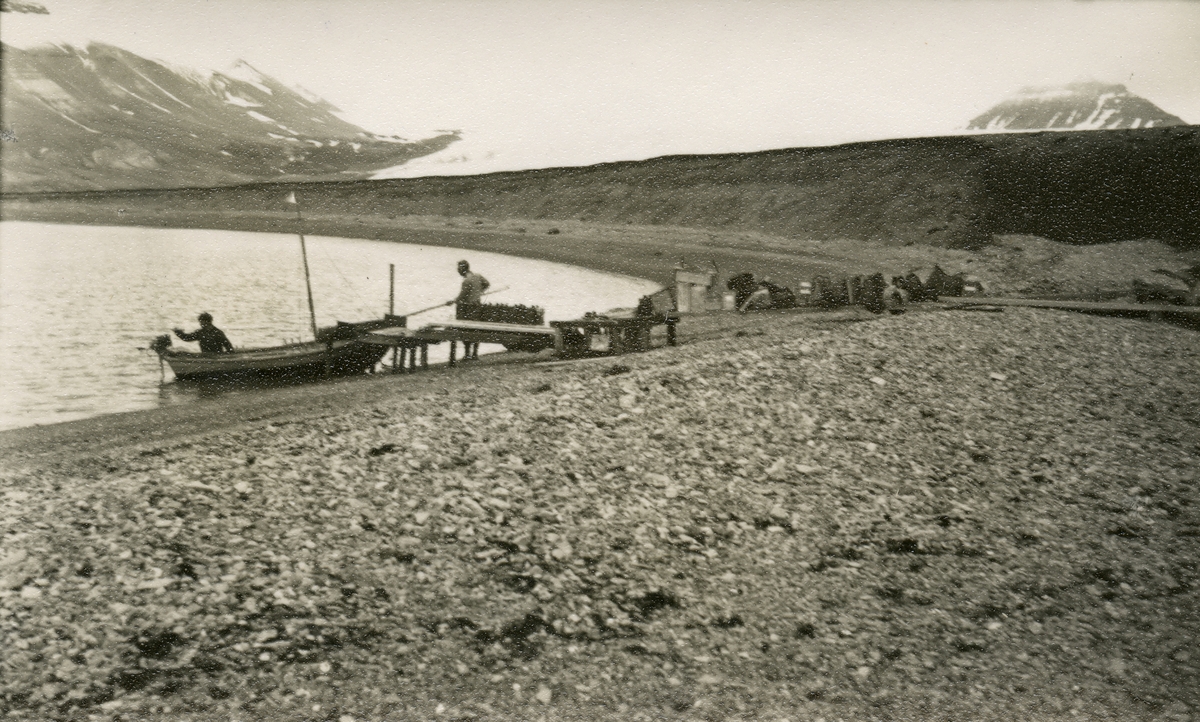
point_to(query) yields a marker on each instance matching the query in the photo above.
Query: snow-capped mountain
(1078, 106)
(102, 117)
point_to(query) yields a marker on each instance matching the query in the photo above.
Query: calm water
(77, 302)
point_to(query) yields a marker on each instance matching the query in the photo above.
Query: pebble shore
(936, 515)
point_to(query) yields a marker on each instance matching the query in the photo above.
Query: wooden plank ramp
(470, 331)
(1186, 315)
(1075, 305)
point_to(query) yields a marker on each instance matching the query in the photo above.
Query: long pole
(312, 314)
(392, 310)
(451, 302)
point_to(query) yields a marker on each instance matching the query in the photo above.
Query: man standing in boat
(469, 300)
(211, 338)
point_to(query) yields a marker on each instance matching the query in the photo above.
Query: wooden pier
(410, 342)
(586, 335)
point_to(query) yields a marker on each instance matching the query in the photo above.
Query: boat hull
(314, 358)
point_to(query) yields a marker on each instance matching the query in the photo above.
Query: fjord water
(77, 303)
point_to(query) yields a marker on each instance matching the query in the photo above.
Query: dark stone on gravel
(382, 449)
(650, 602)
(157, 645)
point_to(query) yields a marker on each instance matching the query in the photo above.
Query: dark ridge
(1080, 187)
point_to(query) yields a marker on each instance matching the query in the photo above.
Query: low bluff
(1080, 187)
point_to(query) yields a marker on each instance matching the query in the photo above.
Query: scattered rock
(765, 525)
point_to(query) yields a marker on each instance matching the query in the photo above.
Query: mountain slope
(102, 117)
(957, 192)
(1078, 106)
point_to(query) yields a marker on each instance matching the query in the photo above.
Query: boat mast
(312, 314)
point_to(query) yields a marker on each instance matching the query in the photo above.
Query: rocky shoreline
(1020, 265)
(944, 515)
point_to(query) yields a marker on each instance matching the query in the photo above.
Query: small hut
(693, 290)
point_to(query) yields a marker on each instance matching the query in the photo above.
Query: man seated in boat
(470, 298)
(211, 338)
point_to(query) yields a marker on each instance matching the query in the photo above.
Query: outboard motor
(160, 344)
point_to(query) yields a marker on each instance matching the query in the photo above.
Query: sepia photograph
(507, 360)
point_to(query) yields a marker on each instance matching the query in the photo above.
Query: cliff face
(103, 118)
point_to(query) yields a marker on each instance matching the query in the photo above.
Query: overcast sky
(537, 83)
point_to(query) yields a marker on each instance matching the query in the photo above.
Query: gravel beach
(937, 515)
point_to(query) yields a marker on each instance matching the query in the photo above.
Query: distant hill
(103, 118)
(1078, 106)
(956, 192)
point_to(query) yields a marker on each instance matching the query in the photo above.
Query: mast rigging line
(363, 306)
(312, 314)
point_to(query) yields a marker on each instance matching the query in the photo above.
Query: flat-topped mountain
(1078, 106)
(105, 118)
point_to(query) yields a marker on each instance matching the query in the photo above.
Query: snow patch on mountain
(469, 157)
(76, 122)
(148, 102)
(162, 89)
(85, 125)
(240, 101)
(1078, 106)
(307, 94)
(197, 76)
(246, 73)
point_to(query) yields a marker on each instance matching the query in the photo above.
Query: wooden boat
(337, 351)
(334, 351)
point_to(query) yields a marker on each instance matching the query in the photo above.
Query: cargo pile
(873, 292)
(507, 313)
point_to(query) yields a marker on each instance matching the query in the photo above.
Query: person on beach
(470, 298)
(211, 338)
(766, 294)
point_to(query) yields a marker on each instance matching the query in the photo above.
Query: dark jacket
(211, 338)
